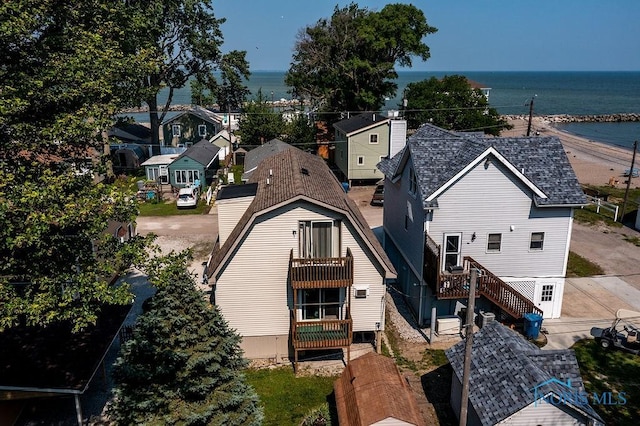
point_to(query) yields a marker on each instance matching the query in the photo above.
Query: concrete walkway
(589, 302)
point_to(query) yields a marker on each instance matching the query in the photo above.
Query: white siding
(545, 414)
(252, 291)
(397, 137)
(492, 200)
(229, 212)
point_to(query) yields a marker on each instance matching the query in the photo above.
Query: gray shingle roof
(293, 175)
(438, 155)
(506, 369)
(256, 155)
(202, 152)
(360, 121)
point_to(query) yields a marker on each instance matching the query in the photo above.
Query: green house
(197, 165)
(188, 127)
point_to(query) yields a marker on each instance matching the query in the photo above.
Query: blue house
(197, 165)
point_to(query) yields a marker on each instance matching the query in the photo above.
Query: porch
(455, 284)
(333, 327)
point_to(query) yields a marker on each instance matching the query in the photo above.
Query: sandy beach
(594, 162)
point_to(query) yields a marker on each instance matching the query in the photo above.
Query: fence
(601, 204)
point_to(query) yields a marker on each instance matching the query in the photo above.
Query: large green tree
(64, 73)
(184, 363)
(184, 38)
(451, 103)
(259, 122)
(347, 62)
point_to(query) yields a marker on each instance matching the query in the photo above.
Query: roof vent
(270, 172)
(304, 171)
(268, 181)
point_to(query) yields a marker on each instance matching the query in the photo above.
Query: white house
(501, 205)
(295, 266)
(513, 382)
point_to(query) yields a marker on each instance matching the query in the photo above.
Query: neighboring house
(362, 141)
(128, 133)
(188, 127)
(127, 157)
(229, 120)
(156, 168)
(371, 391)
(197, 165)
(295, 266)
(512, 381)
(501, 205)
(256, 155)
(225, 141)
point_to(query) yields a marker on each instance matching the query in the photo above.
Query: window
(184, 177)
(320, 304)
(451, 250)
(537, 241)
(319, 239)
(175, 130)
(494, 242)
(373, 138)
(547, 293)
(202, 130)
(360, 292)
(413, 182)
(360, 160)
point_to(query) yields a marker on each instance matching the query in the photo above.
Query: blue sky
(473, 35)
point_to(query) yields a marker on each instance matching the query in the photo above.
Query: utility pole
(626, 192)
(530, 115)
(466, 371)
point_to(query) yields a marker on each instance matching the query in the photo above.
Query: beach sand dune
(594, 163)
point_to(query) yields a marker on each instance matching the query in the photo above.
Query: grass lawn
(287, 399)
(611, 371)
(169, 209)
(578, 266)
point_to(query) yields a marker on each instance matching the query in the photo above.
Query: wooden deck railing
(327, 272)
(322, 334)
(448, 285)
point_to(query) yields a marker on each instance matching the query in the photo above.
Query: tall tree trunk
(155, 124)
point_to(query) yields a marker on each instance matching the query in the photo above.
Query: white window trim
(176, 130)
(300, 308)
(200, 130)
(377, 138)
(488, 250)
(358, 162)
(531, 242)
(190, 176)
(444, 248)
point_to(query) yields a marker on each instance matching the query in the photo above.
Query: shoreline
(594, 162)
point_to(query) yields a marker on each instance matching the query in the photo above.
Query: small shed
(197, 165)
(371, 391)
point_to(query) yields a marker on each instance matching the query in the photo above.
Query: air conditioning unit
(360, 292)
(448, 325)
(486, 318)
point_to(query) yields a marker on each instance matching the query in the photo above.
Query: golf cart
(622, 333)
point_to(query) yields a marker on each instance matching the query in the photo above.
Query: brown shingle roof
(371, 389)
(295, 175)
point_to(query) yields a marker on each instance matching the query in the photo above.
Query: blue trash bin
(345, 186)
(532, 324)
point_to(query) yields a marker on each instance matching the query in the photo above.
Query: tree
(347, 62)
(184, 364)
(301, 132)
(259, 123)
(64, 73)
(451, 103)
(231, 92)
(184, 38)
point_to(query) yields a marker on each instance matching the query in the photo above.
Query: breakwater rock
(599, 118)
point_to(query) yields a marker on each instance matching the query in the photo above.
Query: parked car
(622, 334)
(187, 197)
(378, 195)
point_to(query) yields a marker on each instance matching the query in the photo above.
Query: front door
(545, 299)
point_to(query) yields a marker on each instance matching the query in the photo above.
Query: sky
(473, 35)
